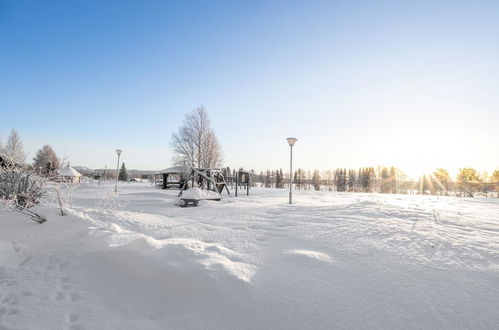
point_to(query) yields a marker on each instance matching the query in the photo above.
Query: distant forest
(388, 180)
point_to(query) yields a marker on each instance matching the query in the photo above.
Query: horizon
(410, 85)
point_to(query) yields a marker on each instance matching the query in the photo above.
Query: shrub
(20, 186)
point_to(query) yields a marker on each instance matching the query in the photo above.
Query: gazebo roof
(176, 170)
(68, 171)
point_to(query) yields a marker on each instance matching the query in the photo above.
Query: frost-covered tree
(329, 179)
(367, 178)
(299, 178)
(195, 144)
(268, 180)
(46, 160)
(495, 176)
(316, 180)
(495, 180)
(384, 185)
(393, 180)
(352, 180)
(441, 180)
(14, 148)
(340, 179)
(279, 179)
(123, 174)
(309, 179)
(424, 184)
(468, 179)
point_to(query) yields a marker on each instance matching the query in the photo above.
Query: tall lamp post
(291, 142)
(118, 152)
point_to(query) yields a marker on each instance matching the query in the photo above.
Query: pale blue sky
(408, 83)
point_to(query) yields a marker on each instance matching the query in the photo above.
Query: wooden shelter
(171, 177)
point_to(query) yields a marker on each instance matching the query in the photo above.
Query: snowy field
(332, 260)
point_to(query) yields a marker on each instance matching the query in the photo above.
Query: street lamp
(291, 142)
(118, 152)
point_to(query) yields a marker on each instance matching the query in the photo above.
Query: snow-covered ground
(331, 260)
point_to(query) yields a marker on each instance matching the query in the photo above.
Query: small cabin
(68, 175)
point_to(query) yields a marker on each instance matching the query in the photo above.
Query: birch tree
(195, 144)
(14, 148)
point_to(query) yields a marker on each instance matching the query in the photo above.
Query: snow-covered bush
(20, 189)
(20, 186)
(109, 202)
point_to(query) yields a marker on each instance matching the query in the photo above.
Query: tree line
(45, 163)
(386, 180)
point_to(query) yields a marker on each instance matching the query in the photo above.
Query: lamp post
(118, 152)
(291, 142)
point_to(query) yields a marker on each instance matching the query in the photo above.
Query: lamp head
(291, 141)
(119, 151)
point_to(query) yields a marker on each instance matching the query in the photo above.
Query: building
(69, 175)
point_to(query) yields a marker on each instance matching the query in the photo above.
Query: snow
(312, 254)
(331, 260)
(196, 193)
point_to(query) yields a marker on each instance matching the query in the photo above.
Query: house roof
(68, 171)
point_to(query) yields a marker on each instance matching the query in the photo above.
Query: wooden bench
(188, 201)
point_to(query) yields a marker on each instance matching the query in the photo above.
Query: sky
(413, 84)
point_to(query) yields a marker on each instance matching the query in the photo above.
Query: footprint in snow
(72, 319)
(8, 305)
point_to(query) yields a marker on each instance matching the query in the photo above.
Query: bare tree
(195, 144)
(14, 148)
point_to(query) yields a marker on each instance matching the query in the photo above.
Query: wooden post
(237, 181)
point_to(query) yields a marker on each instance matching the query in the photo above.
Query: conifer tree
(352, 180)
(123, 175)
(268, 180)
(316, 180)
(279, 179)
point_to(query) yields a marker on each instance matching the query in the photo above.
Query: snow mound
(320, 256)
(179, 252)
(196, 193)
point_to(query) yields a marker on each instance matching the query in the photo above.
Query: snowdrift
(331, 260)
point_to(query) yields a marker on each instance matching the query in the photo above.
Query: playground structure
(211, 179)
(207, 183)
